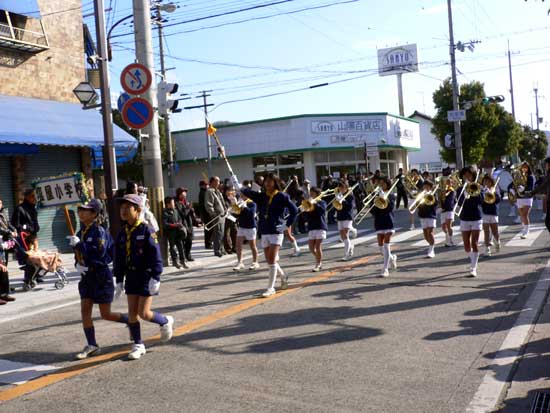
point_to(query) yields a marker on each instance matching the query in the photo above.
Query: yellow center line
(86, 365)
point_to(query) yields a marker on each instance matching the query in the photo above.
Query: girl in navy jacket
(317, 226)
(470, 219)
(272, 205)
(383, 225)
(345, 219)
(94, 250)
(447, 215)
(525, 202)
(247, 230)
(490, 216)
(428, 219)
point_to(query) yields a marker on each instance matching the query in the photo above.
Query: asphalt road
(420, 341)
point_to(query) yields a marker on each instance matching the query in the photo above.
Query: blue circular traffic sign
(137, 113)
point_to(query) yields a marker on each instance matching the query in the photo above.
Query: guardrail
(22, 35)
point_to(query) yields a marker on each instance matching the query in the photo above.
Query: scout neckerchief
(275, 192)
(129, 230)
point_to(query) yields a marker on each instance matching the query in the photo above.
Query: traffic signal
(492, 100)
(167, 105)
(449, 141)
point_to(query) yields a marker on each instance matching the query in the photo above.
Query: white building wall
(429, 144)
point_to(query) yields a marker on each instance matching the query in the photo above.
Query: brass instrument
(378, 199)
(490, 196)
(308, 205)
(410, 184)
(424, 198)
(519, 178)
(238, 205)
(469, 189)
(338, 202)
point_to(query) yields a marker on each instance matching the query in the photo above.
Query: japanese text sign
(61, 190)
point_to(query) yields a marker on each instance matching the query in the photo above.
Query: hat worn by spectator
(132, 199)
(93, 205)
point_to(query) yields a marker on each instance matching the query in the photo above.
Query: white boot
(387, 256)
(346, 249)
(431, 251)
(271, 283)
(474, 257)
(296, 248)
(487, 250)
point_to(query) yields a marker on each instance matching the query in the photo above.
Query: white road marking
(12, 372)
(489, 392)
(534, 233)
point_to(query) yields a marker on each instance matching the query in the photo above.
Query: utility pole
(152, 163)
(536, 90)
(109, 159)
(452, 50)
(511, 81)
(167, 131)
(400, 94)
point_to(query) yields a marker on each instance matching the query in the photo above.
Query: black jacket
(187, 214)
(544, 188)
(171, 220)
(25, 218)
(5, 227)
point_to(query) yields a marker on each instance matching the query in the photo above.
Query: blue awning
(25, 7)
(45, 122)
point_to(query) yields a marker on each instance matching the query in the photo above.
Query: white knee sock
(279, 270)
(381, 248)
(347, 246)
(295, 246)
(272, 276)
(387, 256)
(474, 257)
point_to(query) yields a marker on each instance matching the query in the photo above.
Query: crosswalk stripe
(13, 372)
(361, 239)
(534, 233)
(439, 238)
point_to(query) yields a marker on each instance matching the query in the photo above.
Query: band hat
(92, 204)
(132, 199)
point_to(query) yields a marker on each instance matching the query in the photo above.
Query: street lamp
(86, 95)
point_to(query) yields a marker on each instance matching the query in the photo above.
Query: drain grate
(541, 404)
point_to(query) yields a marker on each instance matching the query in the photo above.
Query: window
(264, 162)
(291, 159)
(320, 157)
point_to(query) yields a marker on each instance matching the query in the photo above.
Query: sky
(338, 44)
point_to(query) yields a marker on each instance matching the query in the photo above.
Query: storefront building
(309, 146)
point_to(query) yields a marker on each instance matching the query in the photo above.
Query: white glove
(73, 240)
(512, 191)
(118, 291)
(235, 182)
(281, 227)
(154, 286)
(80, 269)
(521, 188)
(256, 187)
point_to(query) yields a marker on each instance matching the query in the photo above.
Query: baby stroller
(38, 263)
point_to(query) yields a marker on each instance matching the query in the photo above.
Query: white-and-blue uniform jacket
(271, 214)
(383, 218)
(345, 213)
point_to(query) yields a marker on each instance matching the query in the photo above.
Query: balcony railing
(21, 39)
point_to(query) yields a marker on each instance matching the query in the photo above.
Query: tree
(505, 137)
(533, 146)
(479, 123)
(133, 170)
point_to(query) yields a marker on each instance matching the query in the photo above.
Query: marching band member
(94, 250)
(317, 225)
(470, 217)
(272, 205)
(447, 202)
(247, 231)
(139, 262)
(419, 184)
(383, 225)
(525, 201)
(428, 219)
(490, 214)
(345, 220)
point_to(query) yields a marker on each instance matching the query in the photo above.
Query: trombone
(424, 198)
(308, 205)
(490, 196)
(378, 199)
(469, 189)
(338, 202)
(214, 221)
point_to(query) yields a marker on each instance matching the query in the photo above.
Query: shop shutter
(7, 193)
(52, 161)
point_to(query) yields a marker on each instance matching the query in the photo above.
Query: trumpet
(490, 196)
(378, 199)
(238, 205)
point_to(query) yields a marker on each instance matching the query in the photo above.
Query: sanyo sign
(396, 60)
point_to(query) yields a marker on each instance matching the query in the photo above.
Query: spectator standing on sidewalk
(4, 279)
(204, 215)
(188, 219)
(175, 232)
(401, 191)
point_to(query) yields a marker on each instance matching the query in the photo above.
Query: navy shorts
(137, 286)
(98, 287)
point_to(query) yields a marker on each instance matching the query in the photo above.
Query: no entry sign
(136, 79)
(137, 113)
